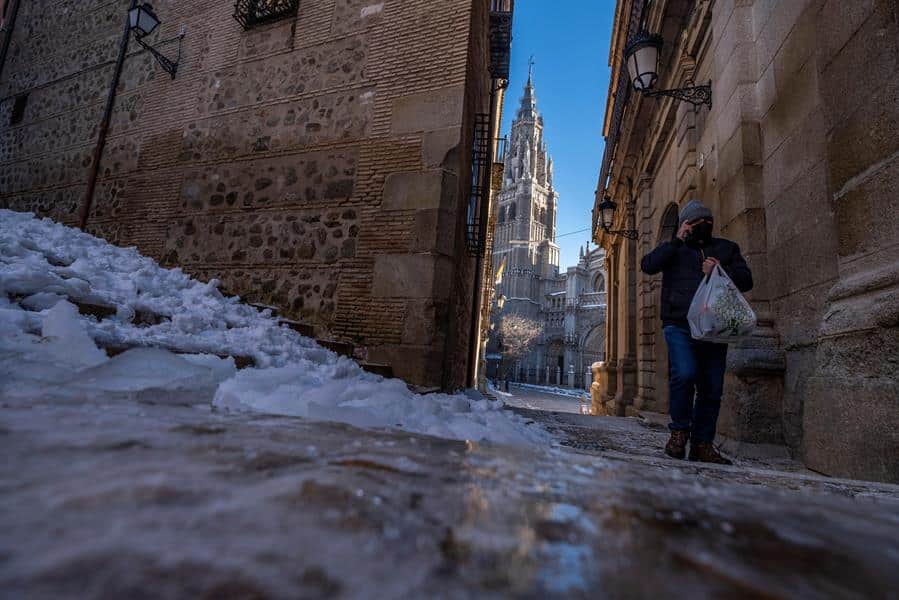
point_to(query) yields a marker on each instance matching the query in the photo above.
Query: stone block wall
(798, 160)
(317, 163)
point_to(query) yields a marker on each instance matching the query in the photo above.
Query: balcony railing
(500, 38)
(481, 165)
(250, 13)
(593, 299)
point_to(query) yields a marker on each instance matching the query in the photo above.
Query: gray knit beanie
(694, 209)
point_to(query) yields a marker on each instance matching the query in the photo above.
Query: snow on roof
(176, 331)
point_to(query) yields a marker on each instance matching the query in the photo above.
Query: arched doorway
(594, 344)
(659, 383)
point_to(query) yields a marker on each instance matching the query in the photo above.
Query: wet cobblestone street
(159, 501)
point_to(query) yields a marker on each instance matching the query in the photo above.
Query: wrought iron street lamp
(642, 58)
(143, 21)
(140, 21)
(606, 211)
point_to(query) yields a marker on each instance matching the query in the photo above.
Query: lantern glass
(607, 213)
(642, 58)
(143, 20)
(500, 301)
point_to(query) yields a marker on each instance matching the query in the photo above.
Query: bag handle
(718, 267)
(708, 276)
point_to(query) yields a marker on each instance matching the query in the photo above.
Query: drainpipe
(475, 333)
(104, 124)
(10, 25)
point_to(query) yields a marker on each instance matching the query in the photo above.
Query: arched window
(599, 283)
(502, 215)
(669, 224)
(512, 211)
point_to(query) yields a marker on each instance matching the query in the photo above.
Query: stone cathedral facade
(569, 305)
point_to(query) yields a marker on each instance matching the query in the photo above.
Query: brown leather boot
(677, 444)
(705, 452)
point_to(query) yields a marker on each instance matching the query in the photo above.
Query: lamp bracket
(168, 65)
(631, 234)
(696, 95)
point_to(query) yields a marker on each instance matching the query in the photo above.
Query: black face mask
(700, 235)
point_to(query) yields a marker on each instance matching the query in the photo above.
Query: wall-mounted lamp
(143, 21)
(642, 58)
(140, 21)
(606, 211)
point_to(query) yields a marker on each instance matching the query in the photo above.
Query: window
(18, 109)
(669, 224)
(252, 13)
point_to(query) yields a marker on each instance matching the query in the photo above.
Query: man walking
(695, 368)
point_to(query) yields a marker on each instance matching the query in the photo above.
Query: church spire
(528, 101)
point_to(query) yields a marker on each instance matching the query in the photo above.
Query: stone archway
(668, 226)
(659, 401)
(593, 344)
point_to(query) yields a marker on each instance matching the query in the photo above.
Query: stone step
(341, 348)
(303, 329)
(260, 306)
(241, 362)
(378, 369)
(100, 311)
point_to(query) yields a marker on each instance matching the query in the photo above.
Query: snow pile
(174, 339)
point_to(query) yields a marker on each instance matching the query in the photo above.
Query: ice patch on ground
(168, 334)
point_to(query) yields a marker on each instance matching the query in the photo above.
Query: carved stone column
(626, 390)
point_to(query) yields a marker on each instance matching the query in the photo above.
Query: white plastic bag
(719, 312)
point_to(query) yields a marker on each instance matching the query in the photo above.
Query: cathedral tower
(526, 221)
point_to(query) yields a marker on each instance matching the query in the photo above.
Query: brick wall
(315, 163)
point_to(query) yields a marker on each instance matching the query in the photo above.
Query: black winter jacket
(681, 268)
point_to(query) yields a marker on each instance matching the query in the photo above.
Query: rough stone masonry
(318, 162)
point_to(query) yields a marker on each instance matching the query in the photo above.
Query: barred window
(252, 13)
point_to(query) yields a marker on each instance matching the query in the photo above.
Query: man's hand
(683, 231)
(709, 264)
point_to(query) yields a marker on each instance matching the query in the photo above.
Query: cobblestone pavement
(127, 500)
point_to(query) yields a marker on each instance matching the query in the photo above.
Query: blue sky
(570, 43)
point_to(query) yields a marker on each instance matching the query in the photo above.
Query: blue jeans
(695, 371)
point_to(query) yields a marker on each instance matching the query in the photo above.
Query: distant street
(536, 400)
